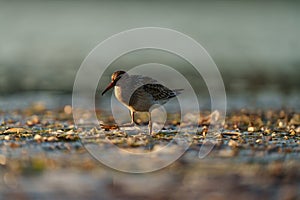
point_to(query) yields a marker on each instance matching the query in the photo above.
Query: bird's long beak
(111, 85)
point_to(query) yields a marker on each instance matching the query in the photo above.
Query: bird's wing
(142, 80)
(159, 92)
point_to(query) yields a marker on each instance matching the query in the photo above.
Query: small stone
(274, 134)
(234, 133)
(14, 145)
(268, 138)
(226, 153)
(2, 159)
(267, 131)
(175, 122)
(16, 130)
(68, 109)
(131, 141)
(295, 119)
(251, 129)
(37, 137)
(258, 141)
(29, 123)
(33, 121)
(292, 132)
(108, 127)
(204, 131)
(51, 139)
(38, 107)
(233, 143)
(281, 124)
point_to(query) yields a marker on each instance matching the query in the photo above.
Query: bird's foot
(128, 125)
(108, 127)
(153, 134)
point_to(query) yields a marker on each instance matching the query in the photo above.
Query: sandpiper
(139, 93)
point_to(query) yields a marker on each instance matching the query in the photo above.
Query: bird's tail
(177, 91)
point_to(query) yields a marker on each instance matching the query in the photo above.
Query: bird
(139, 93)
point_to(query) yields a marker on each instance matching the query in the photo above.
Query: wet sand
(43, 155)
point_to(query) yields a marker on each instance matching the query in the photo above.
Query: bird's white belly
(122, 96)
(142, 103)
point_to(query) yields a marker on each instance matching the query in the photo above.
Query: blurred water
(53, 100)
(21, 100)
(255, 44)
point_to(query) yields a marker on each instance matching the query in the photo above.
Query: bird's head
(115, 77)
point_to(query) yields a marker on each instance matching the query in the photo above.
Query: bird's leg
(150, 124)
(132, 117)
(150, 143)
(132, 123)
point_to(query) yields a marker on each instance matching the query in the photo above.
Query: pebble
(16, 130)
(234, 133)
(37, 137)
(33, 121)
(274, 134)
(259, 141)
(251, 129)
(267, 130)
(226, 153)
(68, 109)
(51, 139)
(2, 159)
(7, 137)
(233, 143)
